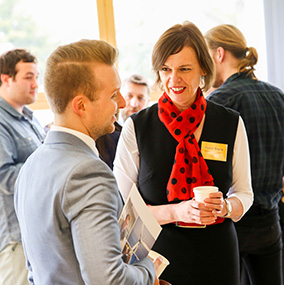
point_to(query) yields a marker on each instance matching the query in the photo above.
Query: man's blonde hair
(231, 39)
(70, 71)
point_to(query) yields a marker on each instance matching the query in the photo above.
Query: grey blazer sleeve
(92, 205)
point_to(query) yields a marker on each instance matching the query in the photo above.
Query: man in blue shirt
(261, 106)
(20, 135)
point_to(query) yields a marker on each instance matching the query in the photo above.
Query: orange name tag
(214, 151)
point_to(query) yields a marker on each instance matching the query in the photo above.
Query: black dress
(197, 256)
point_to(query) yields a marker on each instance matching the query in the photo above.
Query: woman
(180, 143)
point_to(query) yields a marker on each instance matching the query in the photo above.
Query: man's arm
(17, 143)
(9, 167)
(92, 205)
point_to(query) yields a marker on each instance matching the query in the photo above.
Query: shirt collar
(13, 112)
(235, 76)
(86, 139)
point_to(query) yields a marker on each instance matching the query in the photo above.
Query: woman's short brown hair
(174, 40)
(69, 71)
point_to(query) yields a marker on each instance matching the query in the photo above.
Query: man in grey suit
(66, 199)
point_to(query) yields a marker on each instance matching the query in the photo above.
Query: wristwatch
(229, 207)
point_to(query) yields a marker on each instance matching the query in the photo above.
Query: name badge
(214, 151)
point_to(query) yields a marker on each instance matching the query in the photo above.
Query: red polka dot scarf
(189, 168)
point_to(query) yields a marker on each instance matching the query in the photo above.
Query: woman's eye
(164, 69)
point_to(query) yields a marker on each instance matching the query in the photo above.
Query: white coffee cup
(202, 192)
(153, 255)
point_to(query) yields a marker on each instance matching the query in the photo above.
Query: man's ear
(5, 78)
(78, 104)
(220, 54)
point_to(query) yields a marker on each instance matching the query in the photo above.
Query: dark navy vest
(157, 149)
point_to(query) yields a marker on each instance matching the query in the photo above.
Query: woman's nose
(174, 76)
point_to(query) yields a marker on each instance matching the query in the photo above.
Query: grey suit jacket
(67, 203)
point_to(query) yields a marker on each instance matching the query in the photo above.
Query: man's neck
(230, 66)
(17, 107)
(228, 72)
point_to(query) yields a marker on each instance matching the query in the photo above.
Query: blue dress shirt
(20, 135)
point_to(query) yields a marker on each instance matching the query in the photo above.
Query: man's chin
(30, 101)
(111, 129)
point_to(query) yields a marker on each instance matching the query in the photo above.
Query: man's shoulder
(9, 110)
(67, 158)
(221, 109)
(223, 94)
(243, 85)
(245, 90)
(5, 112)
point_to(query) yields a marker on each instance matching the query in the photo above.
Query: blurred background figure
(261, 105)
(20, 135)
(136, 92)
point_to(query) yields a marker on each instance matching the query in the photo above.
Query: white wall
(274, 30)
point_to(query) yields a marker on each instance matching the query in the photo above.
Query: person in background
(261, 106)
(182, 142)
(66, 199)
(136, 91)
(20, 135)
(281, 213)
(107, 144)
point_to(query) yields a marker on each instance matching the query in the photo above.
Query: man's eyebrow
(31, 73)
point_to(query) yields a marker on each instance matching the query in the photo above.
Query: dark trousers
(260, 243)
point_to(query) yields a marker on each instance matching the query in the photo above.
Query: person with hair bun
(261, 106)
(182, 142)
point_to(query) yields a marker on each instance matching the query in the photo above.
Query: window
(40, 26)
(139, 24)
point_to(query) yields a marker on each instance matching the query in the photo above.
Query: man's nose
(134, 102)
(35, 83)
(121, 102)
